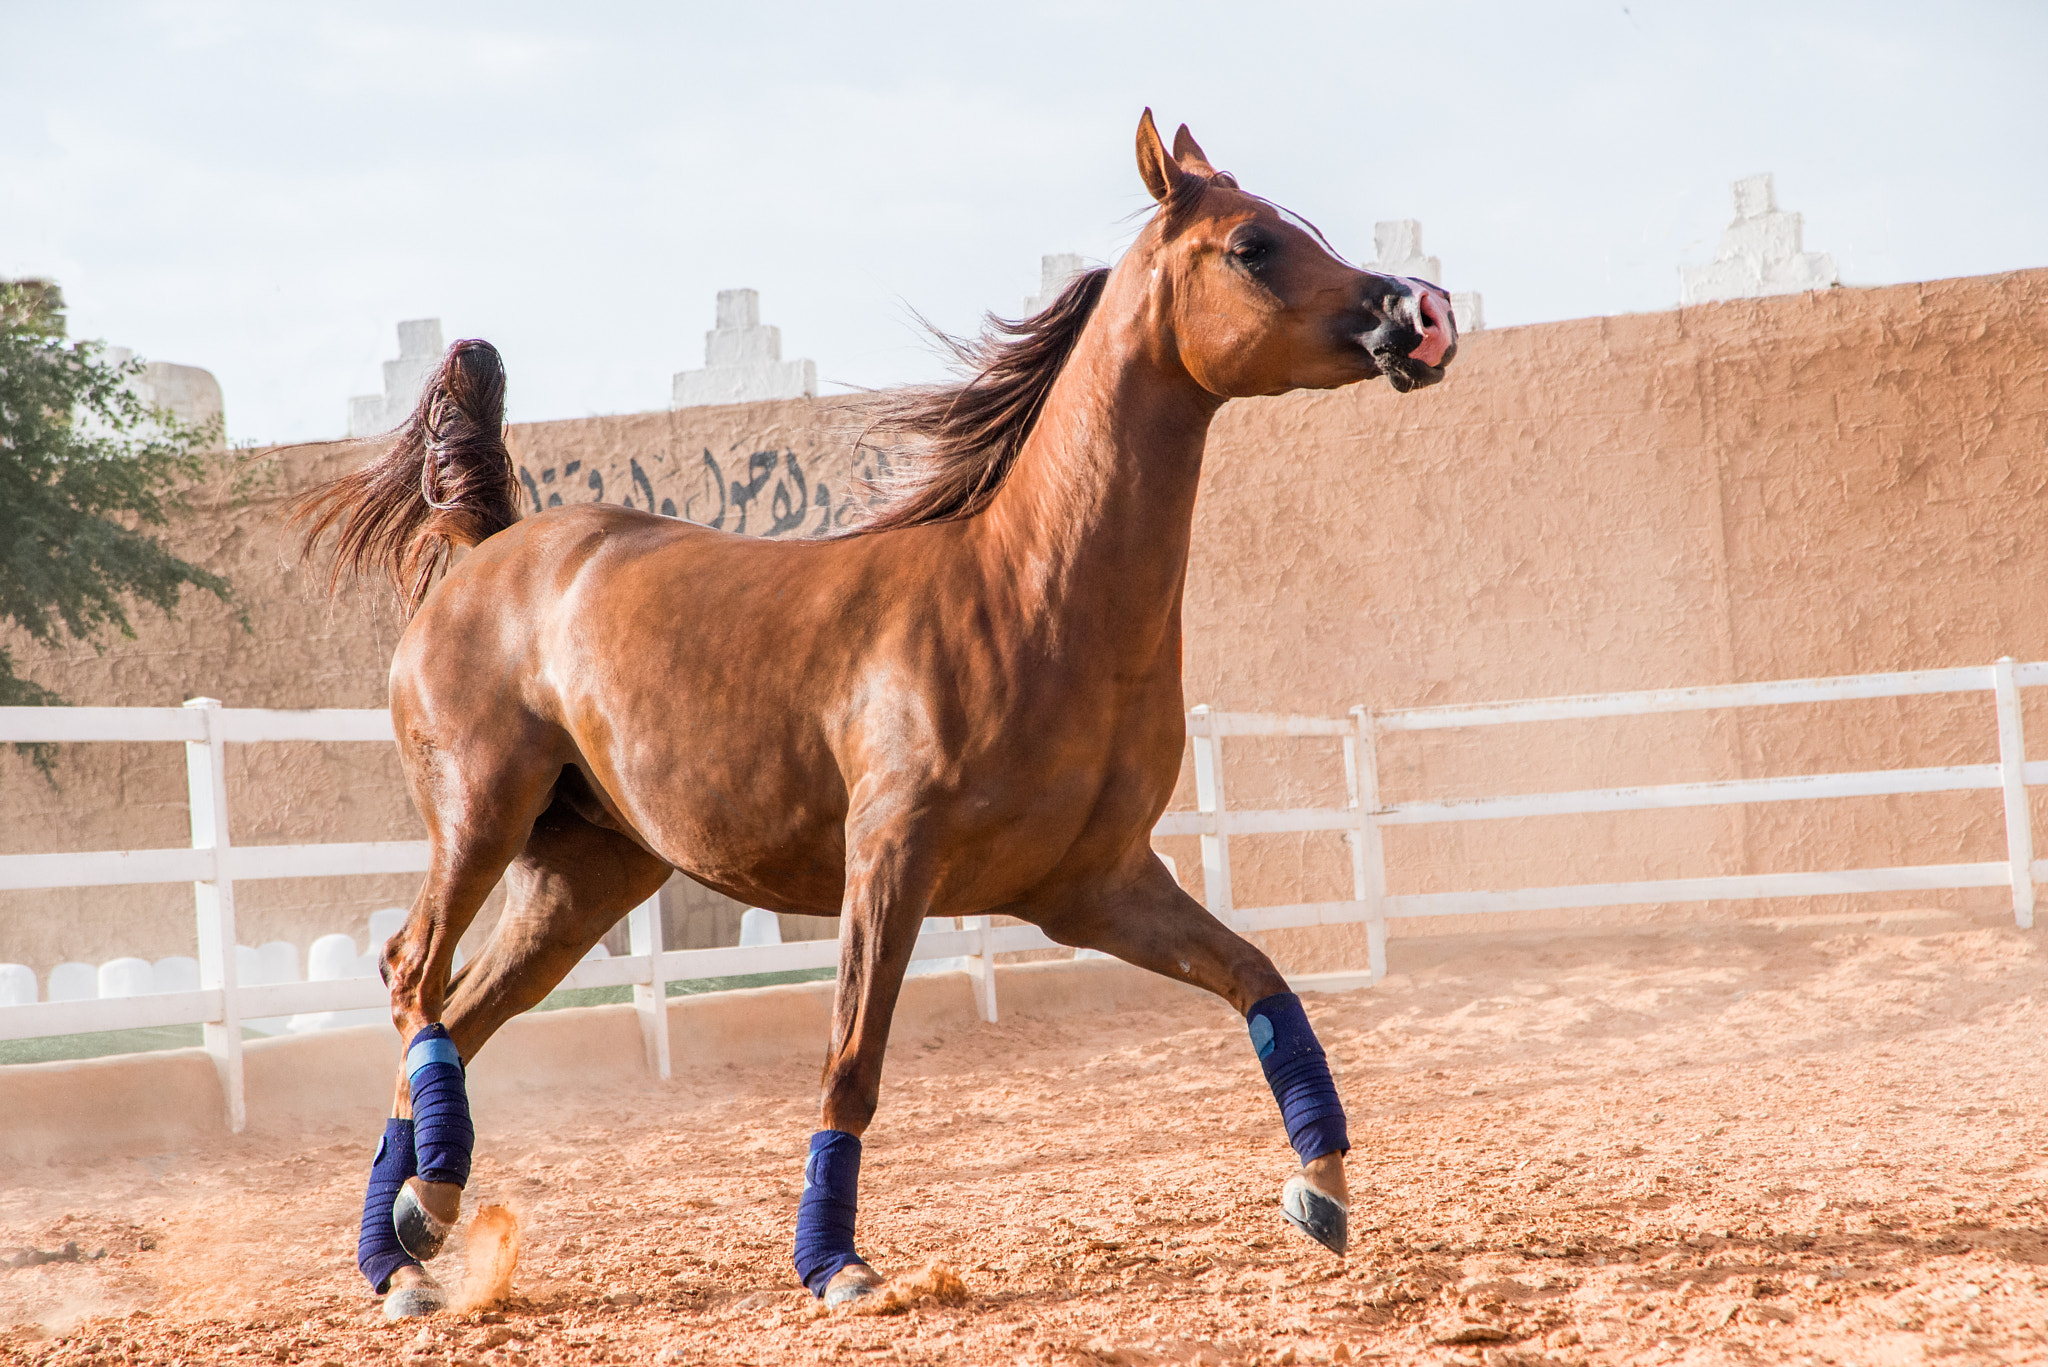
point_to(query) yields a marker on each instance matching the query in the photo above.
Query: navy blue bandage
(377, 1248)
(442, 1133)
(824, 1217)
(1299, 1075)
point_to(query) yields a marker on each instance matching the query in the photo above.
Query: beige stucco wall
(1839, 482)
(1833, 483)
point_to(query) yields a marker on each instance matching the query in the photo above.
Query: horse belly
(744, 829)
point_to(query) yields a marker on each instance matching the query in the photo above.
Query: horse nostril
(1432, 327)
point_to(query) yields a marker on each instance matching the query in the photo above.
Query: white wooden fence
(1365, 815)
(213, 864)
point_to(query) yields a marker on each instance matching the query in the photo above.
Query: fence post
(2012, 770)
(981, 967)
(1368, 855)
(650, 999)
(214, 903)
(1209, 801)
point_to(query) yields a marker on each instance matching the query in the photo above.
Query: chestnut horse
(976, 709)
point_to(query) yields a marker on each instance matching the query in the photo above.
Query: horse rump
(446, 480)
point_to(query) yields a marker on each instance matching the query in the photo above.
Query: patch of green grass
(613, 996)
(101, 1043)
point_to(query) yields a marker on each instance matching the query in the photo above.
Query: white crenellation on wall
(419, 352)
(1054, 272)
(1397, 250)
(1761, 253)
(1468, 311)
(191, 394)
(743, 360)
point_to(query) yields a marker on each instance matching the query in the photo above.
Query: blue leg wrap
(377, 1249)
(1299, 1075)
(442, 1134)
(824, 1217)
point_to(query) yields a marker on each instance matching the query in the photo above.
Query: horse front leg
(1141, 916)
(884, 907)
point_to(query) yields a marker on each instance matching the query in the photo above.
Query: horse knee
(852, 1115)
(850, 1101)
(1253, 977)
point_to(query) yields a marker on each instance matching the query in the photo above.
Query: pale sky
(266, 189)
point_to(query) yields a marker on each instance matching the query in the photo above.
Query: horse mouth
(1403, 371)
(1388, 350)
(1404, 374)
(1412, 338)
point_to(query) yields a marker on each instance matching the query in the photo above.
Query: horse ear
(1156, 165)
(1189, 153)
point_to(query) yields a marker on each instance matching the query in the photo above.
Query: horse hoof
(1323, 1218)
(420, 1232)
(414, 1300)
(844, 1290)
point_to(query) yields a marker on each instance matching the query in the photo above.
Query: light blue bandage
(439, 1049)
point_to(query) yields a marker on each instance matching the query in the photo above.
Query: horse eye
(1251, 251)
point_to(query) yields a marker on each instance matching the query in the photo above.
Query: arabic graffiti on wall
(758, 493)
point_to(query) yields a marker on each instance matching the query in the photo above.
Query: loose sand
(1815, 1142)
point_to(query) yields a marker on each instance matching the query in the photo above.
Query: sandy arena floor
(1816, 1144)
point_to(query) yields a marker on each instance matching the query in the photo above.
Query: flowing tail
(447, 481)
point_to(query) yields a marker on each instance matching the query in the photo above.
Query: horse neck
(1099, 507)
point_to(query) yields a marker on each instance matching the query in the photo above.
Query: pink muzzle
(1433, 321)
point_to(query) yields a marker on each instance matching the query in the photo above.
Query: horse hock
(1299, 1073)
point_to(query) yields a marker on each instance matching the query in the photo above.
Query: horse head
(1255, 302)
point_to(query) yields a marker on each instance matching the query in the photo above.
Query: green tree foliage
(86, 470)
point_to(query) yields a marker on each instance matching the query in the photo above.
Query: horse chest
(1079, 780)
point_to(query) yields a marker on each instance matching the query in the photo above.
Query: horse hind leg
(567, 887)
(479, 804)
(570, 885)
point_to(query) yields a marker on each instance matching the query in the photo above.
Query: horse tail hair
(446, 480)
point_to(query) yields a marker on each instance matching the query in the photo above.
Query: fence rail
(213, 864)
(1365, 816)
